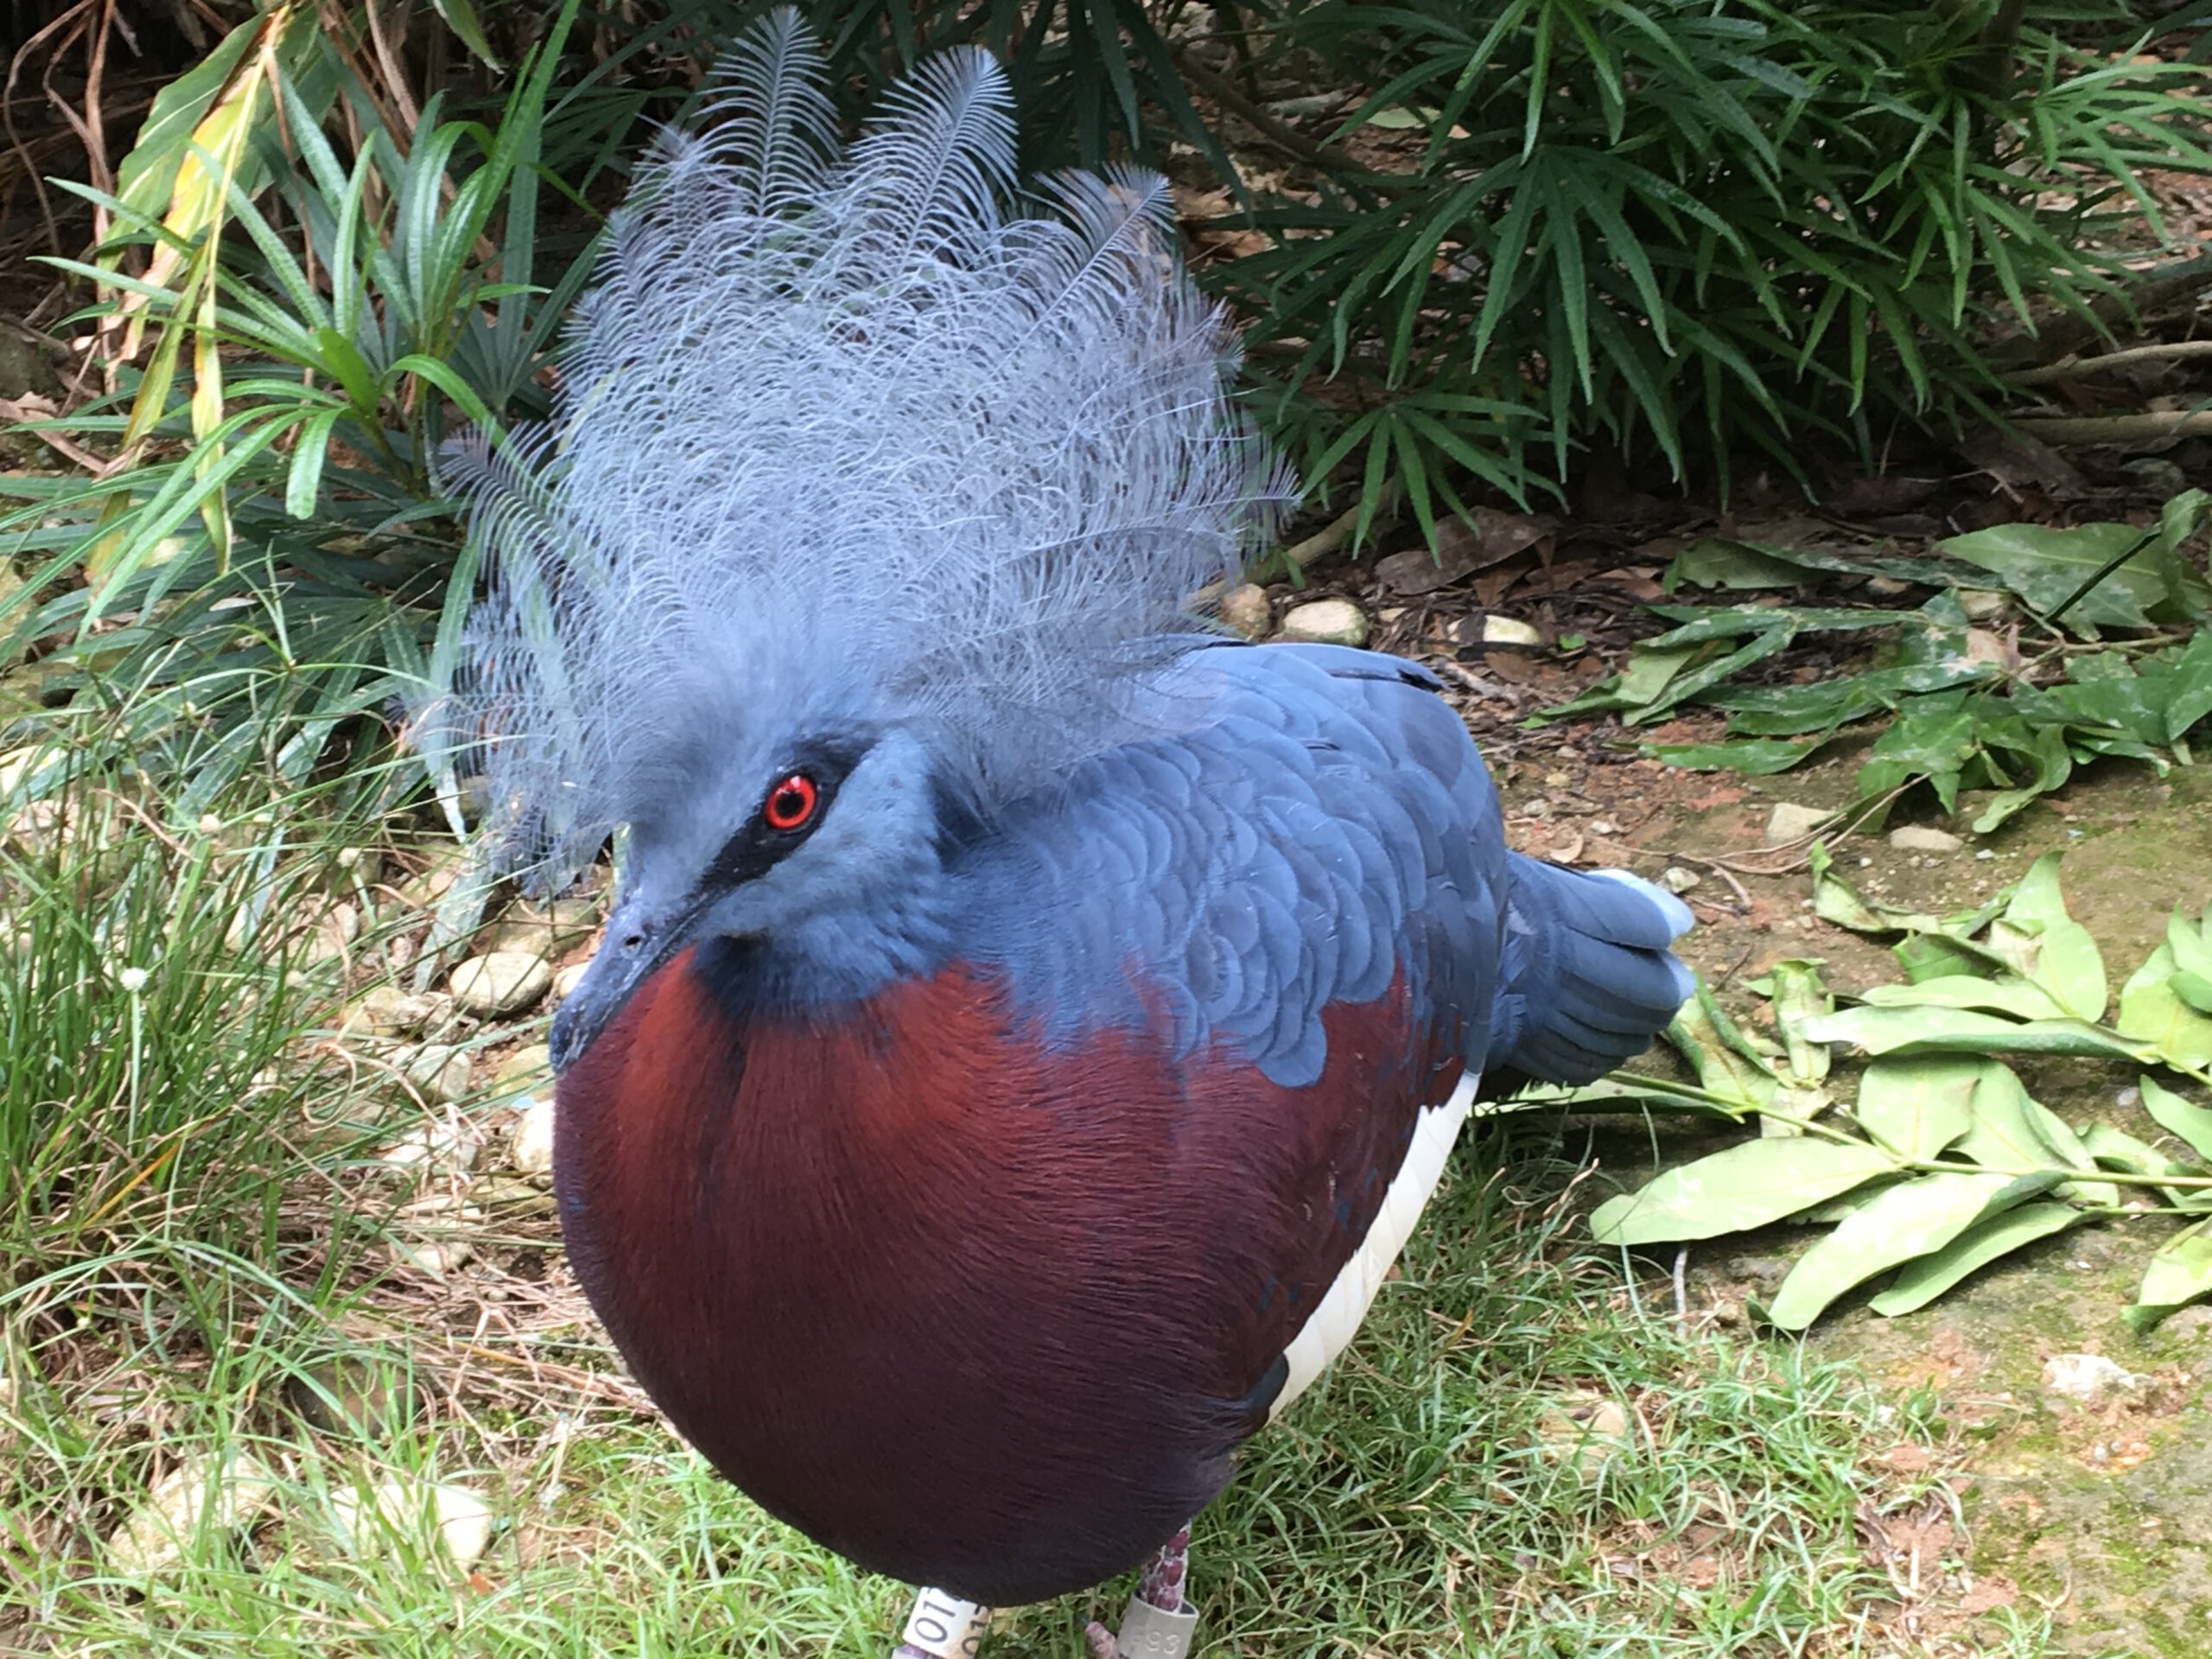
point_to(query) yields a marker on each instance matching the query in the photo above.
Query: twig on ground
(2069, 368)
(2149, 426)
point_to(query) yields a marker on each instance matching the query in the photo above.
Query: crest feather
(837, 432)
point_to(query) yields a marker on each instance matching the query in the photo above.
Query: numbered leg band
(944, 1627)
(1150, 1632)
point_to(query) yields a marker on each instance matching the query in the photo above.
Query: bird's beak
(640, 939)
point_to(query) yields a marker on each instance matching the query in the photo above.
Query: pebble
(500, 981)
(1510, 631)
(565, 981)
(1326, 622)
(438, 1144)
(1675, 879)
(1790, 822)
(402, 1507)
(2089, 1378)
(1919, 838)
(1245, 610)
(530, 1143)
(208, 1492)
(440, 1073)
(527, 1065)
(387, 1011)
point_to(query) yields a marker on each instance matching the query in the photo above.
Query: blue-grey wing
(1312, 826)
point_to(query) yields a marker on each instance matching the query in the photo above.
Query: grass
(199, 1287)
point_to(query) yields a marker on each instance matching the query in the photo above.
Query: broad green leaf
(1910, 1219)
(2008, 995)
(1717, 561)
(1931, 738)
(2179, 1273)
(2153, 1013)
(1917, 1108)
(1755, 757)
(2046, 945)
(2194, 989)
(2191, 945)
(1799, 997)
(2054, 765)
(1724, 1059)
(2117, 1149)
(2178, 1116)
(2063, 1138)
(1921, 1283)
(1742, 1186)
(1967, 1030)
(2046, 566)
(1835, 899)
(2004, 1135)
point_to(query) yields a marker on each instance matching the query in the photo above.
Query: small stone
(1675, 879)
(1790, 822)
(2089, 1378)
(1326, 622)
(387, 1011)
(207, 1492)
(1980, 604)
(500, 981)
(401, 1509)
(452, 1249)
(530, 1143)
(527, 1066)
(565, 981)
(436, 1145)
(440, 1072)
(1245, 610)
(1887, 587)
(1920, 838)
(1510, 631)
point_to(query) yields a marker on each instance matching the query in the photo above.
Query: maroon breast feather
(972, 1309)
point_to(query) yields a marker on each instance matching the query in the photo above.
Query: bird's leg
(1158, 1623)
(943, 1626)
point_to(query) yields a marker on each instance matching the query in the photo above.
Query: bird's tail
(1588, 979)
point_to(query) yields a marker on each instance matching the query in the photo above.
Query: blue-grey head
(868, 506)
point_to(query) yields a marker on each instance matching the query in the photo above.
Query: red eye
(790, 804)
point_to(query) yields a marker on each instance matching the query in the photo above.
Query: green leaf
(1836, 900)
(2117, 1149)
(2179, 1116)
(1742, 1186)
(1917, 1108)
(2045, 567)
(2179, 1273)
(2003, 1135)
(2005, 995)
(2064, 1140)
(1967, 1031)
(1724, 1059)
(1799, 998)
(1755, 757)
(1923, 1281)
(1932, 737)
(2153, 1013)
(1910, 1219)
(2193, 989)
(2048, 946)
